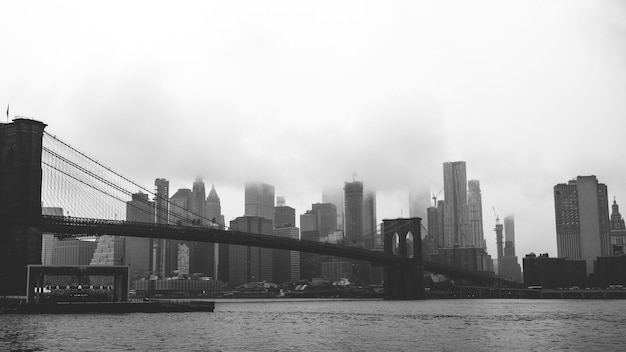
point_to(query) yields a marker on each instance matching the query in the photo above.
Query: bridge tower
(404, 281)
(20, 202)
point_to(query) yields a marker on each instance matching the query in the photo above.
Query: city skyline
(527, 98)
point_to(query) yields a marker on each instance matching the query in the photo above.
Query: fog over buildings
(301, 96)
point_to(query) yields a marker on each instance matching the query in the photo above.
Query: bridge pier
(404, 281)
(20, 202)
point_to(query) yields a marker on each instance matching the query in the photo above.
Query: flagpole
(8, 113)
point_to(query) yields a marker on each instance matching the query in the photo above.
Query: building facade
(617, 230)
(475, 215)
(508, 266)
(250, 264)
(354, 213)
(455, 213)
(371, 236)
(335, 196)
(138, 250)
(582, 220)
(259, 200)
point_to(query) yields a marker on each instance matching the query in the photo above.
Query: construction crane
(496, 215)
(435, 197)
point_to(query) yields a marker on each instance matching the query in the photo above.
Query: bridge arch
(404, 280)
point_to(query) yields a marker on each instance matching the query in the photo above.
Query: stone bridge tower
(404, 281)
(20, 202)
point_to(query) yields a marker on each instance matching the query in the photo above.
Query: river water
(334, 325)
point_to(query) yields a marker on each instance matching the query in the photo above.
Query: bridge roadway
(72, 227)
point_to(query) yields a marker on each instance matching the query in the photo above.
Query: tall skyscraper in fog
(371, 237)
(509, 266)
(354, 213)
(335, 196)
(475, 215)
(284, 216)
(455, 213)
(259, 200)
(582, 220)
(198, 202)
(419, 202)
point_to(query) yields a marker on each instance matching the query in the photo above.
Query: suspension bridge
(36, 168)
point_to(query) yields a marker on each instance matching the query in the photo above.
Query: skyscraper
(246, 263)
(582, 220)
(419, 202)
(138, 251)
(435, 224)
(286, 264)
(371, 237)
(335, 196)
(201, 254)
(475, 215)
(213, 212)
(326, 217)
(354, 213)
(618, 231)
(310, 263)
(259, 200)
(455, 214)
(159, 246)
(198, 202)
(284, 216)
(508, 266)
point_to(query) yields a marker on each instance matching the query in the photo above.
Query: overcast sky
(304, 94)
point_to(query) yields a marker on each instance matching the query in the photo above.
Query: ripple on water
(337, 325)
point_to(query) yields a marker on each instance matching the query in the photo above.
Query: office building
(508, 265)
(455, 213)
(310, 263)
(468, 258)
(138, 250)
(213, 212)
(159, 246)
(551, 273)
(582, 220)
(259, 200)
(48, 240)
(326, 217)
(284, 216)
(180, 214)
(435, 225)
(371, 236)
(335, 196)
(73, 252)
(286, 263)
(250, 264)
(354, 213)
(201, 254)
(610, 271)
(475, 215)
